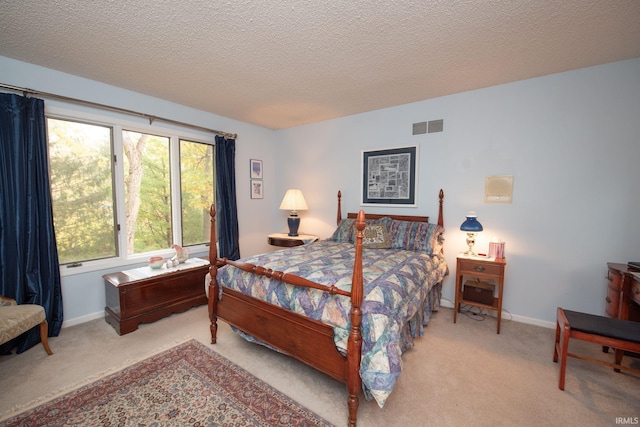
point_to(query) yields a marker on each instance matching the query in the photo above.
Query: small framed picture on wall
(256, 189)
(256, 169)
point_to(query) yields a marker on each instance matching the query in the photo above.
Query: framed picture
(256, 169)
(256, 189)
(389, 177)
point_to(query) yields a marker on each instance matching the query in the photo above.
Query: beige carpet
(456, 375)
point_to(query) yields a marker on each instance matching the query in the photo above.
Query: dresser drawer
(613, 302)
(635, 290)
(473, 267)
(615, 280)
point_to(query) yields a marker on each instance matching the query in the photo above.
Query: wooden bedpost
(354, 343)
(339, 208)
(213, 271)
(440, 218)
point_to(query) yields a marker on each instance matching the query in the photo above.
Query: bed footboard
(305, 339)
(288, 332)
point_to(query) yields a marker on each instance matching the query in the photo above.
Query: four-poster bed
(317, 303)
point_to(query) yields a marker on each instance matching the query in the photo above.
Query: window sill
(121, 263)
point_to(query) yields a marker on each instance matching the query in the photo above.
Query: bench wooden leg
(555, 346)
(617, 358)
(44, 332)
(563, 333)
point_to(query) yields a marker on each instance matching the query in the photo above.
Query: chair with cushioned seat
(17, 319)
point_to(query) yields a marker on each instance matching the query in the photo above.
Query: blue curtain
(29, 270)
(226, 206)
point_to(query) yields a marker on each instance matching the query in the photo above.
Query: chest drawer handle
(608, 300)
(478, 268)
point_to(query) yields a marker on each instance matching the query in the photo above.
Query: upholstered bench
(18, 319)
(621, 335)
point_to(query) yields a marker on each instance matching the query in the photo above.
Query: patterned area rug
(185, 385)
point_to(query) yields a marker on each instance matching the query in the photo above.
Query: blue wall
(570, 140)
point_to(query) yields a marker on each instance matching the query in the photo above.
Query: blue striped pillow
(416, 236)
(343, 232)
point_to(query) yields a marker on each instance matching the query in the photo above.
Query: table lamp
(293, 201)
(471, 226)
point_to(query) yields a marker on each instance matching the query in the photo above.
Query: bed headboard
(413, 218)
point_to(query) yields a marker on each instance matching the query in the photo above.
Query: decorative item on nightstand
(293, 201)
(496, 249)
(471, 226)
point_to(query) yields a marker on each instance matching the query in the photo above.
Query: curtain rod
(151, 118)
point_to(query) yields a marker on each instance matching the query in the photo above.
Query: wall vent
(436, 126)
(419, 128)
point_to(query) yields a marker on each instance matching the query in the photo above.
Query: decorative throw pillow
(343, 232)
(376, 236)
(384, 221)
(416, 236)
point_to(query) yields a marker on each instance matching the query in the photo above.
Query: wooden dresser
(623, 292)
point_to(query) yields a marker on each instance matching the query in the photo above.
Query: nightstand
(286, 241)
(481, 270)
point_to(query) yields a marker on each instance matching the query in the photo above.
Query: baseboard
(443, 303)
(532, 321)
(506, 315)
(83, 319)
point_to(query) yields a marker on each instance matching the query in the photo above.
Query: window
(82, 190)
(196, 186)
(121, 193)
(147, 188)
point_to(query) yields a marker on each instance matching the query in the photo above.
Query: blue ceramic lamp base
(294, 224)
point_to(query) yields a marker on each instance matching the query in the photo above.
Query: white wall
(572, 143)
(83, 294)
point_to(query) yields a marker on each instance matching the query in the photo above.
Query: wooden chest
(130, 302)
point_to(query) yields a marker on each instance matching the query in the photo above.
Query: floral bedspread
(396, 300)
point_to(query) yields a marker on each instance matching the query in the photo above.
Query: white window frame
(120, 122)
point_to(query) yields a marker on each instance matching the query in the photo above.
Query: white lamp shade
(294, 201)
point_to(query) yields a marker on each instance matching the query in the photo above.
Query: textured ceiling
(281, 63)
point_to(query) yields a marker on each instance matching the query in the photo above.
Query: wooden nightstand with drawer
(481, 270)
